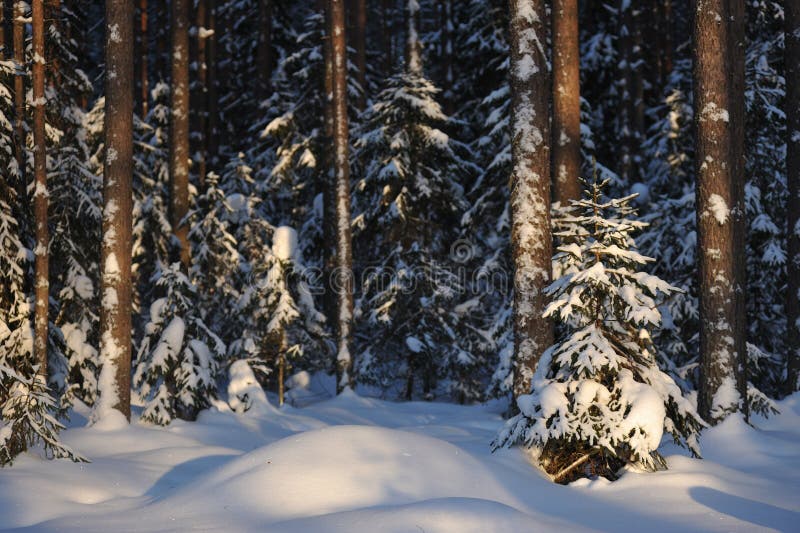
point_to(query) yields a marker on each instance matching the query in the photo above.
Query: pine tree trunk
(736, 88)
(264, 49)
(179, 127)
(212, 125)
(115, 267)
(19, 101)
(142, 54)
(792, 58)
(720, 385)
(326, 177)
(566, 102)
(40, 196)
(360, 43)
(341, 196)
(531, 237)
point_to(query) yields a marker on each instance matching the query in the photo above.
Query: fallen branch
(575, 464)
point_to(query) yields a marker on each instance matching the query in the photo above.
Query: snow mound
(284, 243)
(338, 469)
(447, 515)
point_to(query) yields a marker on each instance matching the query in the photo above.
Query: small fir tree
(215, 258)
(178, 359)
(408, 207)
(599, 400)
(283, 324)
(26, 407)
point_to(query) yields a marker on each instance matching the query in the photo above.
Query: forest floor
(353, 464)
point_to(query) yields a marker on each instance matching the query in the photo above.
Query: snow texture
(356, 464)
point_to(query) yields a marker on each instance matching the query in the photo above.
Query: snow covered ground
(354, 464)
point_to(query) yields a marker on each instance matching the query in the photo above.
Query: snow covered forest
(399, 265)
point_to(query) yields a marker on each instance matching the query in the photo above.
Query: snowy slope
(357, 464)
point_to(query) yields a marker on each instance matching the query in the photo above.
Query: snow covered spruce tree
(27, 409)
(599, 399)
(26, 406)
(408, 205)
(217, 264)
(178, 360)
(668, 205)
(152, 231)
(281, 325)
(76, 202)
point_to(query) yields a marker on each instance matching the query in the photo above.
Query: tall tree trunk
(212, 124)
(179, 127)
(115, 267)
(566, 102)
(341, 176)
(360, 43)
(326, 177)
(792, 58)
(720, 361)
(264, 49)
(40, 196)
(200, 106)
(531, 237)
(736, 88)
(19, 101)
(142, 54)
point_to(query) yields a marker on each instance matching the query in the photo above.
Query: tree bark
(179, 128)
(19, 101)
(531, 236)
(326, 177)
(360, 43)
(40, 195)
(792, 58)
(341, 173)
(720, 336)
(264, 49)
(115, 267)
(736, 88)
(566, 102)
